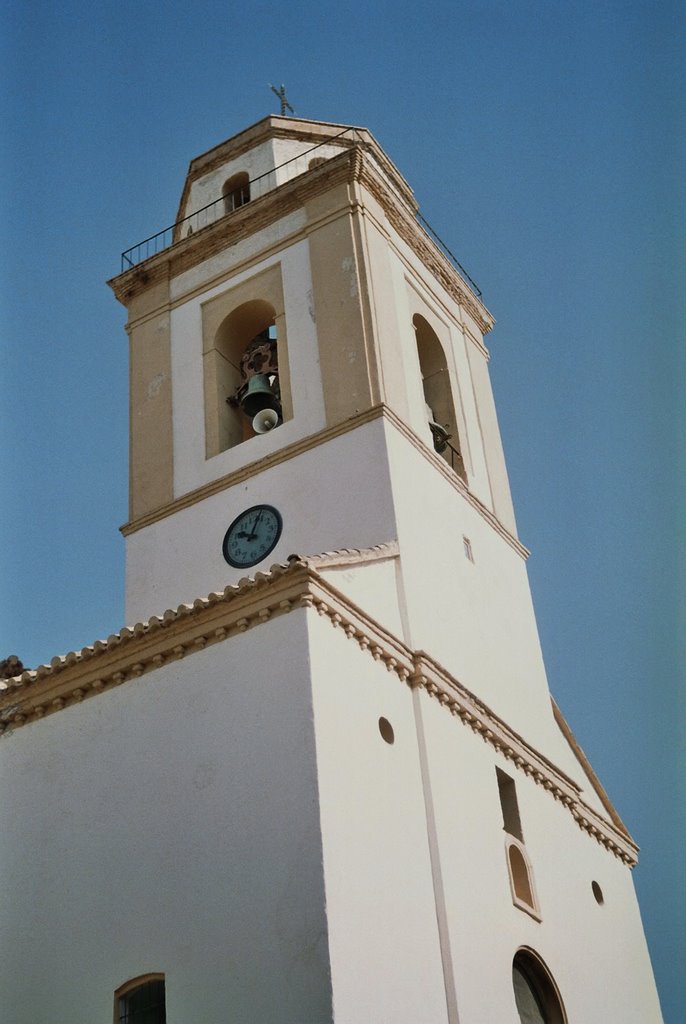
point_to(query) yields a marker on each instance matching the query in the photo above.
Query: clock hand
(254, 525)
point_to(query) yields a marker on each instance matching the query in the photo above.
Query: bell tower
(319, 777)
(300, 285)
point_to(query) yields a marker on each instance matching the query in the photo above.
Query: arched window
(236, 191)
(522, 888)
(536, 995)
(141, 1001)
(248, 369)
(438, 397)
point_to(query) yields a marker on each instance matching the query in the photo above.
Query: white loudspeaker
(265, 420)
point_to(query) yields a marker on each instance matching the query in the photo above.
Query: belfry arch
(438, 395)
(244, 334)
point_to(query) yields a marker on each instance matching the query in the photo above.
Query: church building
(319, 777)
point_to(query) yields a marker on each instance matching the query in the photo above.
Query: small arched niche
(236, 191)
(521, 880)
(438, 396)
(536, 995)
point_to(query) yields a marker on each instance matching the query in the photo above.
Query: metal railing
(259, 186)
(451, 256)
(215, 210)
(456, 460)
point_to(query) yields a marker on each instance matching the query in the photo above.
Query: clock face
(252, 535)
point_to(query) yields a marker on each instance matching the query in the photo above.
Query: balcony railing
(215, 210)
(259, 186)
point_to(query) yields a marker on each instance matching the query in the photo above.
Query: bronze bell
(258, 396)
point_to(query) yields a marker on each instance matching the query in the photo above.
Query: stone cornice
(135, 651)
(317, 133)
(221, 483)
(438, 683)
(425, 248)
(351, 165)
(312, 441)
(233, 227)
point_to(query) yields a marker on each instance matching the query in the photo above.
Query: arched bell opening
(247, 373)
(245, 362)
(438, 397)
(236, 191)
(537, 997)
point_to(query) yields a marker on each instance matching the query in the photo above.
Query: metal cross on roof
(281, 93)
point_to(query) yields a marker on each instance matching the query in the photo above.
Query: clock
(252, 535)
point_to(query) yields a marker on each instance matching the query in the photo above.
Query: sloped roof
(300, 582)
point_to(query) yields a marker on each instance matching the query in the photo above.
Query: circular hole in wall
(386, 730)
(598, 893)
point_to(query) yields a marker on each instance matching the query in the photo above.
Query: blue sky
(544, 142)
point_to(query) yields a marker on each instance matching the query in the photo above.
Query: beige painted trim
(306, 444)
(423, 285)
(252, 469)
(178, 633)
(276, 127)
(532, 909)
(352, 165)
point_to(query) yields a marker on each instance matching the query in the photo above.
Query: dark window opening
(236, 192)
(509, 805)
(144, 1004)
(536, 996)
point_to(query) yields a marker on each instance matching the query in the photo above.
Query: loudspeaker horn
(440, 436)
(265, 421)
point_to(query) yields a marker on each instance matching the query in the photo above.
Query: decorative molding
(353, 164)
(231, 228)
(426, 249)
(273, 126)
(305, 444)
(135, 651)
(237, 476)
(355, 556)
(439, 684)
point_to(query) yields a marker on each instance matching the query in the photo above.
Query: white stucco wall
(292, 156)
(383, 938)
(476, 618)
(256, 162)
(597, 954)
(333, 496)
(170, 825)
